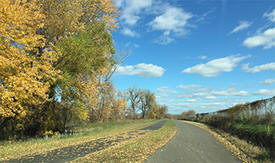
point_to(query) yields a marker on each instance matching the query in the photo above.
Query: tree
(25, 75)
(148, 101)
(118, 109)
(190, 114)
(65, 17)
(84, 58)
(25, 72)
(56, 59)
(134, 98)
(162, 111)
(81, 33)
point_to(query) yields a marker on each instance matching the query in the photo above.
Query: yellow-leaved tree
(64, 18)
(25, 72)
(55, 59)
(118, 109)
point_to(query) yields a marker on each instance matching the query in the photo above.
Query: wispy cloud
(202, 57)
(209, 92)
(268, 66)
(265, 92)
(128, 32)
(211, 97)
(269, 81)
(188, 86)
(172, 20)
(243, 25)
(229, 92)
(165, 90)
(131, 10)
(142, 69)
(215, 67)
(119, 3)
(191, 100)
(164, 40)
(205, 98)
(270, 16)
(204, 16)
(202, 98)
(194, 91)
(265, 39)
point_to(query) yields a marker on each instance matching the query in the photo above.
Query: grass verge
(246, 152)
(85, 133)
(134, 150)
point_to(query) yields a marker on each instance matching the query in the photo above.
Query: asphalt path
(192, 145)
(70, 153)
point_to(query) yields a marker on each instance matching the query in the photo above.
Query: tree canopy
(56, 62)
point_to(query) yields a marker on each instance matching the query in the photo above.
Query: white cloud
(268, 66)
(131, 45)
(165, 90)
(269, 81)
(204, 16)
(202, 57)
(265, 92)
(229, 92)
(270, 16)
(142, 69)
(119, 3)
(199, 94)
(243, 25)
(129, 32)
(207, 99)
(164, 40)
(131, 10)
(188, 86)
(172, 20)
(210, 97)
(194, 91)
(191, 100)
(265, 39)
(215, 67)
(197, 91)
(164, 93)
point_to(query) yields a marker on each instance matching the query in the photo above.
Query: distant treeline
(142, 104)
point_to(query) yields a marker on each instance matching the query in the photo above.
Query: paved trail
(72, 152)
(192, 145)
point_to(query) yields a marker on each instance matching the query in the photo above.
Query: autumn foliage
(56, 61)
(26, 74)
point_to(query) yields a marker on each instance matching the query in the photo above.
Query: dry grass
(12, 150)
(243, 150)
(134, 150)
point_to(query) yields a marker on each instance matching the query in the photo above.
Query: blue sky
(204, 55)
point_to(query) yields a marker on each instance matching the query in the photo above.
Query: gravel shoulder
(192, 144)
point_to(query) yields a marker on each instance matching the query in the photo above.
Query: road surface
(70, 153)
(192, 145)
